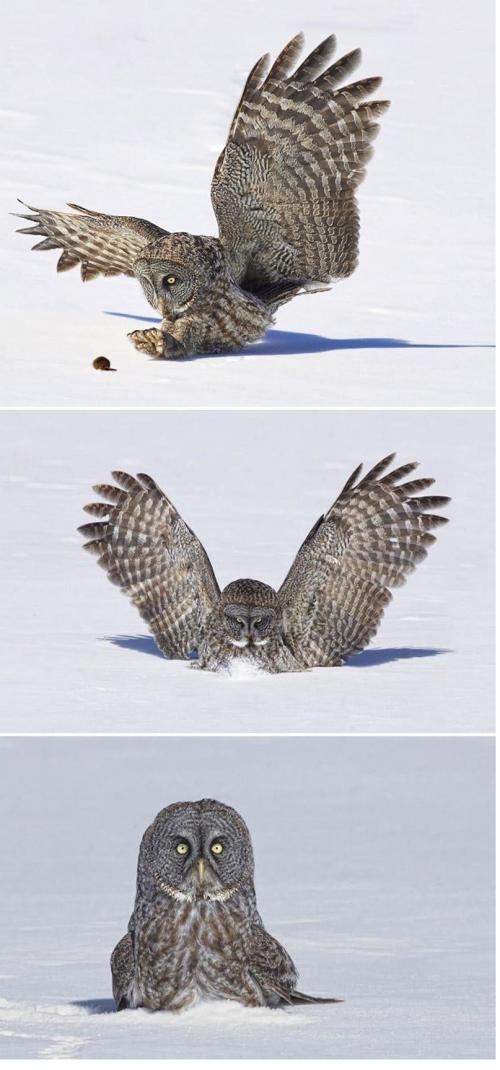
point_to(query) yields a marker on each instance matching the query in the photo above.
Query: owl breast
(216, 652)
(196, 950)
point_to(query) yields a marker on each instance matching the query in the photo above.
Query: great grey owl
(195, 931)
(283, 192)
(329, 605)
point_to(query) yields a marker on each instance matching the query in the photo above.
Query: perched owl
(329, 605)
(195, 931)
(283, 192)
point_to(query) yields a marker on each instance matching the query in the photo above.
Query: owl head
(176, 271)
(251, 613)
(196, 851)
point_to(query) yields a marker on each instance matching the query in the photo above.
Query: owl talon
(157, 344)
(283, 230)
(150, 341)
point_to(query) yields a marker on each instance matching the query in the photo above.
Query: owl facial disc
(248, 625)
(197, 852)
(201, 884)
(168, 286)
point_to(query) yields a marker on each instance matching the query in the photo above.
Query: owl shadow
(145, 644)
(384, 655)
(95, 1006)
(286, 343)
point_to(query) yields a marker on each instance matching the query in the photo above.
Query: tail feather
(301, 997)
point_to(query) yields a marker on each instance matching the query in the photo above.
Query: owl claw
(150, 341)
(158, 344)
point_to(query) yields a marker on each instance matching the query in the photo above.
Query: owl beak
(201, 868)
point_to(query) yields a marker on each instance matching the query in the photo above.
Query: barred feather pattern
(283, 192)
(284, 186)
(153, 556)
(219, 315)
(195, 932)
(370, 540)
(101, 244)
(329, 606)
(216, 651)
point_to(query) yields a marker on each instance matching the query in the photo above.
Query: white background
(124, 109)
(76, 655)
(374, 867)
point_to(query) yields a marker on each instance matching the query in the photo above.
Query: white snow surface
(374, 868)
(76, 656)
(125, 109)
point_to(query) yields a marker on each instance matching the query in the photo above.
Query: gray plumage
(283, 192)
(328, 607)
(195, 931)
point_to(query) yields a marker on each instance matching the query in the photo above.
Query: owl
(195, 932)
(328, 607)
(284, 195)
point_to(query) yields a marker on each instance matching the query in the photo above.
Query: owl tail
(291, 997)
(296, 998)
(278, 293)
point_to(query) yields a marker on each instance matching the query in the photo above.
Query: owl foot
(157, 344)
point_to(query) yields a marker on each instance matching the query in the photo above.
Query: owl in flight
(328, 607)
(195, 931)
(283, 192)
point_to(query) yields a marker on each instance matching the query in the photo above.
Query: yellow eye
(171, 279)
(182, 848)
(240, 620)
(216, 848)
(258, 620)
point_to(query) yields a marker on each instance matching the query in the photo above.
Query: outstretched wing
(284, 186)
(146, 549)
(101, 244)
(371, 538)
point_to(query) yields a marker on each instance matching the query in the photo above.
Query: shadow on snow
(95, 1006)
(144, 644)
(286, 343)
(383, 655)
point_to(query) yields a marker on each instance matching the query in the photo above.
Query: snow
(126, 112)
(76, 655)
(374, 867)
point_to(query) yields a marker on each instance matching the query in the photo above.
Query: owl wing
(122, 971)
(146, 549)
(284, 186)
(275, 973)
(270, 965)
(370, 539)
(101, 244)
